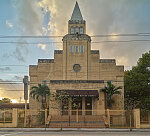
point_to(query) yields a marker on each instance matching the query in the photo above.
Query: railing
(145, 118)
(5, 116)
(96, 119)
(75, 118)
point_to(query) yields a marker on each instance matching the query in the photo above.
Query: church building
(79, 71)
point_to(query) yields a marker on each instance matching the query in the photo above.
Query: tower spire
(76, 15)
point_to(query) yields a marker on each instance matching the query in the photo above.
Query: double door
(78, 104)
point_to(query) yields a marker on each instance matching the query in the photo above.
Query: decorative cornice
(79, 93)
(77, 22)
(94, 51)
(77, 37)
(107, 61)
(58, 51)
(45, 60)
(75, 81)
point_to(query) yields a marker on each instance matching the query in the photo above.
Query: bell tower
(76, 48)
(76, 25)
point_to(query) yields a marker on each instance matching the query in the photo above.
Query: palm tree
(109, 91)
(40, 91)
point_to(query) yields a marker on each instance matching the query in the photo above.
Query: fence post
(45, 116)
(136, 118)
(25, 114)
(4, 116)
(149, 117)
(69, 119)
(15, 118)
(130, 121)
(77, 115)
(30, 118)
(108, 117)
(45, 113)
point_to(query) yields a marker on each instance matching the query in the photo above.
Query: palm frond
(37, 97)
(40, 90)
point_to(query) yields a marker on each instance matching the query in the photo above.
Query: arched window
(81, 30)
(77, 30)
(72, 30)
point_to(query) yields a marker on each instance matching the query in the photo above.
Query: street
(74, 133)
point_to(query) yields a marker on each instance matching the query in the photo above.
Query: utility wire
(96, 42)
(30, 42)
(14, 90)
(105, 81)
(100, 35)
(14, 66)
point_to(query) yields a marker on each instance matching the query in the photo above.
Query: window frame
(82, 49)
(72, 30)
(71, 49)
(77, 49)
(76, 28)
(81, 28)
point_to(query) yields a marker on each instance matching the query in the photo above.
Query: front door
(88, 105)
(77, 105)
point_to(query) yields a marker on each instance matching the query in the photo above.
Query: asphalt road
(74, 133)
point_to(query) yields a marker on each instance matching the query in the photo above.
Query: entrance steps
(74, 121)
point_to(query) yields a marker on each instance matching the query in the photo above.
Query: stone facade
(77, 67)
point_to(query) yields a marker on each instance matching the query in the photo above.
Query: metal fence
(6, 116)
(145, 118)
(75, 118)
(79, 119)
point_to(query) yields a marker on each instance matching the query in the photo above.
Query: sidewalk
(70, 129)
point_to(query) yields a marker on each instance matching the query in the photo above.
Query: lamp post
(45, 103)
(26, 82)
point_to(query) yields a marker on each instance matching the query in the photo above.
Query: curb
(70, 129)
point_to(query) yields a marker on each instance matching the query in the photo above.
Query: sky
(50, 18)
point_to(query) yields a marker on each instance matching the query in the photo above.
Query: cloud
(60, 13)
(29, 17)
(5, 69)
(50, 17)
(8, 91)
(42, 46)
(20, 78)
(17, 53)
(1, 80)
(105, 17)
(29, 20)
(20, 52)
(9, 24)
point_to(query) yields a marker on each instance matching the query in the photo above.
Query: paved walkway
(70, 129)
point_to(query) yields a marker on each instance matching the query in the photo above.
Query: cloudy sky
(50, 18)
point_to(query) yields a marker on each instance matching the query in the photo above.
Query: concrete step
(76, 125)
(86, 121)
(74, 118)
